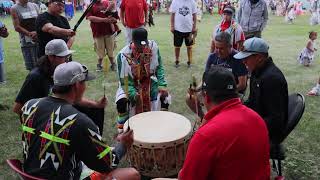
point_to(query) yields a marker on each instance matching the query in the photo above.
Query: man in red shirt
(103, 32)
(133, 15)
(233, 141)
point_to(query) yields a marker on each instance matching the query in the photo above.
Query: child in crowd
(307, 54)
(112, 11)
(315, 91)
(3, 34)
(290, 16)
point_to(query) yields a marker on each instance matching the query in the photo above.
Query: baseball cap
(57, 47)
(71, 72)
(252, 46)
(140, 36)
(229, 9)
(219, 81)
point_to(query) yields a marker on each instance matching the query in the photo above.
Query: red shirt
(232, 144)
(100, 29)
(134, 11)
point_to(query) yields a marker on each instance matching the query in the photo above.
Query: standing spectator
(229, 25)
(43, 8)
(253, 17)
(69, 9)
(273, 7)
(103, 32)
(24, 16)
(51, 25)
(183, 26)
(315, 12)
(232, 142)
(268, 87)
(133, 15)
(3, 34)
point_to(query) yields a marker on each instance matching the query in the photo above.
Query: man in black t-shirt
(51, 25)
(223, 56)
(57, 138)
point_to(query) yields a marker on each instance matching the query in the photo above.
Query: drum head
(158, 127)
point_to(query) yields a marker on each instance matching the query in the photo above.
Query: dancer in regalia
(142, 78)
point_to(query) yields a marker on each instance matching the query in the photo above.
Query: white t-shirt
(183, 10)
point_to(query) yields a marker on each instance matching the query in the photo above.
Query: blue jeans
(2, 74)
(30, 56)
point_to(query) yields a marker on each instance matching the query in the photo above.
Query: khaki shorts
(105, 45)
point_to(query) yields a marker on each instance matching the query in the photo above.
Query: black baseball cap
(140, 36)
(219, 81)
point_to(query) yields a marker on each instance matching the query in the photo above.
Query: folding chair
(296, 105)
(16, 165)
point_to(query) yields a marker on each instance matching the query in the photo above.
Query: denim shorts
(30, 56)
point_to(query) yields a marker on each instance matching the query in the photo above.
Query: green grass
(286, 41)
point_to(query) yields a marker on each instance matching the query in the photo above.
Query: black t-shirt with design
(37, 85)
(57, 137)
(45, 37)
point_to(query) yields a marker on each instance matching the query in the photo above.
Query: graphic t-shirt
(183, 10)
(57, 138)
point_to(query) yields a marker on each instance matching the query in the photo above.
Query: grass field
(286, 41)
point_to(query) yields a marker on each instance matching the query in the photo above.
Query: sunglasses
(67, 57)
(58, 4)
(82, 76)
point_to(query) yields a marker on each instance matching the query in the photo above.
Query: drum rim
(180, 139)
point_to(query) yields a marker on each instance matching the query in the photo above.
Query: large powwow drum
(160, 142)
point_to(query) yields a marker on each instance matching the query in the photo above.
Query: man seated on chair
(223, 57)
(232, 142)
(268, 87)
(39, 81)
(58, 139)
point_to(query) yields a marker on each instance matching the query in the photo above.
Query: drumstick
(104, 91)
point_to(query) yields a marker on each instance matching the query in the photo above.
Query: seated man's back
(233, 145)
(56, 137)
(233, 141)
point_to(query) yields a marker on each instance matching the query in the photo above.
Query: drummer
(58, 139)
(233, 140)
(142, 78)
(39, 81)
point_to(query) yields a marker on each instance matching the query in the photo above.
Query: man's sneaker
(99, 68)
(189, 64)
(177, 64)
(113, 67)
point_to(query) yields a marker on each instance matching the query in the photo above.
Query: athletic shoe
(113, 67)
(177, 64)
(189, 64)
(99, 68)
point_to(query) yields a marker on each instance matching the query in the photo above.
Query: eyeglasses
(85, 70)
